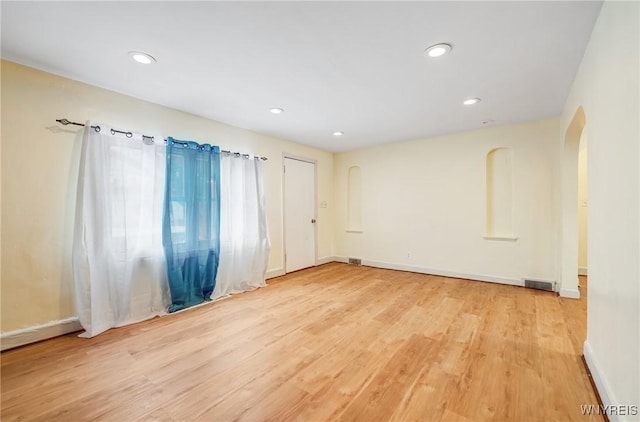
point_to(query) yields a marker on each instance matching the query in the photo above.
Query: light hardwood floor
(335, 342)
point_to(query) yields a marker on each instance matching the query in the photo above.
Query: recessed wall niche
(354, 200)
(499, 191)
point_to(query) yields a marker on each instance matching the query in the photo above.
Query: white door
(299, 214)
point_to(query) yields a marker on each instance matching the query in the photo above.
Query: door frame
(286, 155)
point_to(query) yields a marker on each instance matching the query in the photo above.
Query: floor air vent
(539, 285)
(355, 261)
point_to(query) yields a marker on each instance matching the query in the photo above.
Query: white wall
(424, 206)
(39, 176)
(607, 88)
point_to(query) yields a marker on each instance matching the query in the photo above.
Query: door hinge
(284, 169)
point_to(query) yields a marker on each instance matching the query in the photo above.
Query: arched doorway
(570, 206)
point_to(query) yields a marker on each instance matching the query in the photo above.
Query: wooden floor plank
(379, 399)
(335, 342)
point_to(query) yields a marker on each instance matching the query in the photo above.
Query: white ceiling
(356, 67)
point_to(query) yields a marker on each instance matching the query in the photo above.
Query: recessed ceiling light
(338, 133)
(437, 50)
(143, 58)
(471, 101)
(277, 110)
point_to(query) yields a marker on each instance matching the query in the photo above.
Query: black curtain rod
(145, 137)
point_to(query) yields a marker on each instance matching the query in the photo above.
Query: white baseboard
(445, 273)
(570, 293)
(604, 390)
(16, 338)
(274, 273)
(512, 281)
(278, 272)
(325, 260)
(582, 271)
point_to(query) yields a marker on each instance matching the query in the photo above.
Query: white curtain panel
(118, 261)
(244, 238)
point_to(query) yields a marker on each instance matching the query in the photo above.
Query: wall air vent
(355, 261)
(539, 285)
